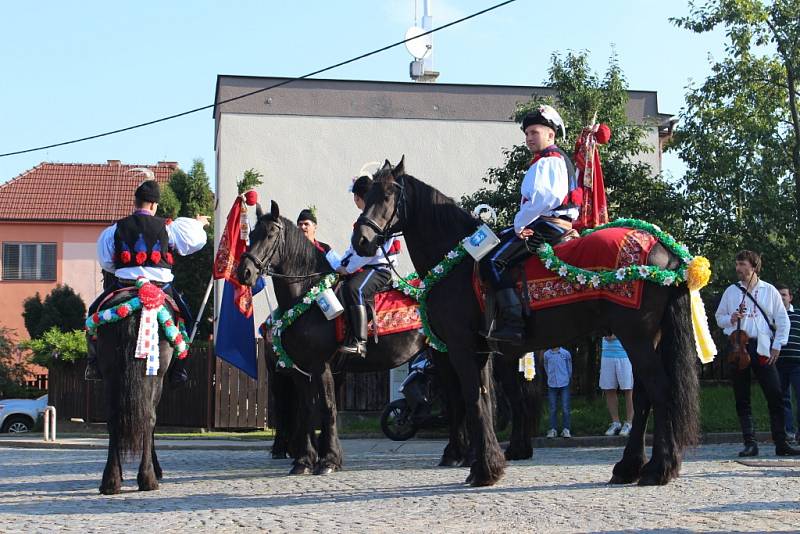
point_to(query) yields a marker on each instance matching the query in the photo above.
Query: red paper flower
(125, 256)
(151, 296)
(251, 197)
(141, 257)
(96, 318)
(155, 256)
(123, 311)
(603, 134)
(168, 222)
(168, 323)
(183, 355)
(178, 338)
(170, 259)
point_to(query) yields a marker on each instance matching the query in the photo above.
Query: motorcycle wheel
(396, 421)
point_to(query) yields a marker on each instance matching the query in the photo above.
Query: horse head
(384, 210)
(265, 241)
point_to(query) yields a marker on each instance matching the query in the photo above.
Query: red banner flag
(593, 211)
(232, 244)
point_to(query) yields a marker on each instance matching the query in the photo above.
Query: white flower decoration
(643, 270)
(281, 363)
(421, 285)
(306, 300)
(620, 273)
(548, 263)
(315, 290)
(581, 279)
(452, 255)
(278, 323)
(562, 271)
(438, 269)
(595, 281)
(668, 281)
(290, 313)
(657, 228)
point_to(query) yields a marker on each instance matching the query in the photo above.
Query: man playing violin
(752, 311)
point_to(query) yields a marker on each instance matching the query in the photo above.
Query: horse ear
(400, 168)
(259, 211)
(386, 166)
(275, 211)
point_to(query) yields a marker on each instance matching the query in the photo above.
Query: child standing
(558, 365)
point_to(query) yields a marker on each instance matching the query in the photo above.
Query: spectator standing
(788, 365)
(558, 365)
(616, 373)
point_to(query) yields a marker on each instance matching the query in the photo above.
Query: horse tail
(135, 410)
(679, 356)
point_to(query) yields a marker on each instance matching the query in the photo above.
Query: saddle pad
(607, 249)
(395, 312)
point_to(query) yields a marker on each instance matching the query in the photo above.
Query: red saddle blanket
(603, 250)
(394, 313)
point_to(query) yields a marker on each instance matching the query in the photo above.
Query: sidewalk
(353, 444)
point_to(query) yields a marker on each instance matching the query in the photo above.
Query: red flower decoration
(123, 311)
(151, 296)
(168, 323)
(183, 355)
(141, 257)
(155, 256)
(168, 222)
(96, 318)
(603, 134)
(251, 197)
(125, 256)
(178, 338)
(170, 259)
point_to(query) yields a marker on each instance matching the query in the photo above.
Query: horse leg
(303, 448)
(147, 479)
(330, 449)
(520, 399)
(650, 374)
(455, 451)
(489, 464)
(112, 474)
(286, 405)
(627, 470)
(156, 466)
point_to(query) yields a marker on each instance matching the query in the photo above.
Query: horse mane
(299, 256)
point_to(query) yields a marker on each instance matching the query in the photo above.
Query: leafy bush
(55, 345)
(62, 308)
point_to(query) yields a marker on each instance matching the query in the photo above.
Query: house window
(29, 261)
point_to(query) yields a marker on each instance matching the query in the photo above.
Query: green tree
(580, 95)
(188, 194)
(12, 369)
(62, 308)
(740, 138)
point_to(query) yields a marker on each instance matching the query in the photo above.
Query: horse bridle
(265, 266)
(389, 229)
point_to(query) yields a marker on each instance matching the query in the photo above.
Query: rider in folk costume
(142, 245)
(307, 222)
(549, 205)
(366, 275)
(755, 308)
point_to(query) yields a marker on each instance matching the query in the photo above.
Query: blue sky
(72, 69)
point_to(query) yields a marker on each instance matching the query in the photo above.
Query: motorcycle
(422, 405)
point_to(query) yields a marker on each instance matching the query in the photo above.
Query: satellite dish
(421, 47)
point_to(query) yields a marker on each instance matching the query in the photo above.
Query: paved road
(383, 490)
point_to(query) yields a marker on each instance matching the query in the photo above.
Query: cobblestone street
(230, 490)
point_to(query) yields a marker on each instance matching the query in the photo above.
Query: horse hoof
(325, 470)
(300, 469)
(617, 479)
(651, 480)
(109, 489)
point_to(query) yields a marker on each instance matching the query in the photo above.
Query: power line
(279, 84)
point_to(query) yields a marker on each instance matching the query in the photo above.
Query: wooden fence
(218, 395)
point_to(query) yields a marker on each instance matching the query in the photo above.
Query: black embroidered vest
(142, 241)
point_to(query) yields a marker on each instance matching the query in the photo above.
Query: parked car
(19, 415)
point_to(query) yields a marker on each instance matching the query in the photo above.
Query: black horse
(131, 399)
(657, 337)
(278, 248)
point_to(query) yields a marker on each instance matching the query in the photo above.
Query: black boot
(749, 436)
(178, 375)
(92, 371)
(357, 316)
(784, 449)
(510, 326)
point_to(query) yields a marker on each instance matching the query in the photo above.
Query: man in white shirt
(756, 307)
(142, 245)
(548, 205)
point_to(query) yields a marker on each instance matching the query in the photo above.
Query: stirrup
(356, 347)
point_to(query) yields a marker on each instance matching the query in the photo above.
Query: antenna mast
(421, 69)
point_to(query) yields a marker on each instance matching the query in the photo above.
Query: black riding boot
(749, 437)
(177, 373)
(357, 316)
(510, 326)
(92, 371)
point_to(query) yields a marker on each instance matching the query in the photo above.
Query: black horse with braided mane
(279, 249)
(658, 336)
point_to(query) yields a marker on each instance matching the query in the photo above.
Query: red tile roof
(85, 192)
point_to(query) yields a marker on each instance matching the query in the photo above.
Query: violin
(737, 348)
